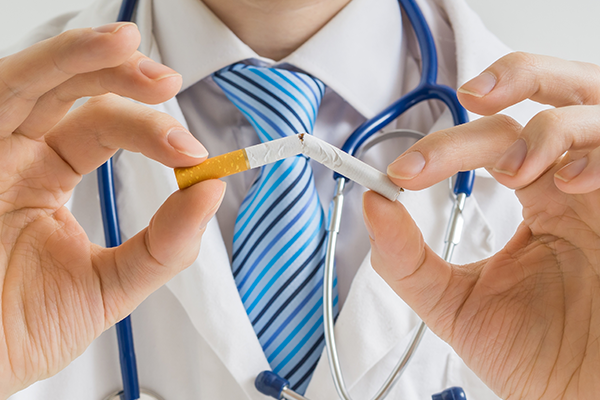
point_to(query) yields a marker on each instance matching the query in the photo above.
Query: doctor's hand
(526, 320)
(58, 291)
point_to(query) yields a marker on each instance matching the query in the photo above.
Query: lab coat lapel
(206, 290)
(366, 331)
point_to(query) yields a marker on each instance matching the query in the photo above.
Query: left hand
(59, 291)
(526, 320)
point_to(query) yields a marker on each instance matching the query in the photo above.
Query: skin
(526, 320)
(58, 291)
(274, 29)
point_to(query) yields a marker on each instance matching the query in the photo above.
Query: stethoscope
(268, 382)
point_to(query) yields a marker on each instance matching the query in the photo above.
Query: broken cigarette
(275, 150)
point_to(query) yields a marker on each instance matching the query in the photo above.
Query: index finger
(465, 147)
(27, 75)
(519, 76)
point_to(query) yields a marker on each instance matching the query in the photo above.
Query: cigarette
(275, 150)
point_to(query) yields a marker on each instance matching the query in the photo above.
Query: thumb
(432, 287)
(171, 242)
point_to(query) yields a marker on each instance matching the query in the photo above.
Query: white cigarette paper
(326, 154)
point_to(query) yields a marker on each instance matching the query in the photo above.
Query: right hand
(58, 291)
(527, 319)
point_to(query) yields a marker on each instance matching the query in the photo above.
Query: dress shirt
(359, 55)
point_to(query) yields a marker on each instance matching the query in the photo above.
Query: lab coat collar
(362, 64)
(206, 289)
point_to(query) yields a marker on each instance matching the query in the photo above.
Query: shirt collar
(357, 54)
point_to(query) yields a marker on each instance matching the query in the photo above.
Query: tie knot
(277, 102)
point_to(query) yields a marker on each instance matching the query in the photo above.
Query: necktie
(279, 238)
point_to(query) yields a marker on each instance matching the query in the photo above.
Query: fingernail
(212, 212)
(407, 166)
(185, 143)
(111, 28)
(512, 159)
(367, 222)
(156, 71)
(572, 170)
(480, 85)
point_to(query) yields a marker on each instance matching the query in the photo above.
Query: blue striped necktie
(279, 237)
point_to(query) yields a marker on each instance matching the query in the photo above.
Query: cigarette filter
(213, 168)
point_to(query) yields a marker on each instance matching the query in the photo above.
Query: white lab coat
(193, 338)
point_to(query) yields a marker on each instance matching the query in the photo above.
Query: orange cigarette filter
(213, 168)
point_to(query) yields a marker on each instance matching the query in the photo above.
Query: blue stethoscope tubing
(427, 89)
(112, 236)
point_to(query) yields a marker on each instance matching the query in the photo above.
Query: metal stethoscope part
(452, 238)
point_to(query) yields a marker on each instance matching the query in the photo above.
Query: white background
(562, 28)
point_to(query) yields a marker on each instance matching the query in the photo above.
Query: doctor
(193, 337)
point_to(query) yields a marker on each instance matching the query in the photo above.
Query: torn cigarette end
(213, 168)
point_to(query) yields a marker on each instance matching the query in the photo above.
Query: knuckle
(99, 108)
(549, 120)
(518, 69)
(100, 102)
(63, 46)
(449, 140)
(595, 72)
(550, 128)
(82, 50)
(8, 85)
(590, 92)
(505, 123)
(113, 107)
(443, 145)
(15, 84)
(521, 60)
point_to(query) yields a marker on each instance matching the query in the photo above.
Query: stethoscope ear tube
(110, 219)
(144, 395)
(112, 236)
(126, 11)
